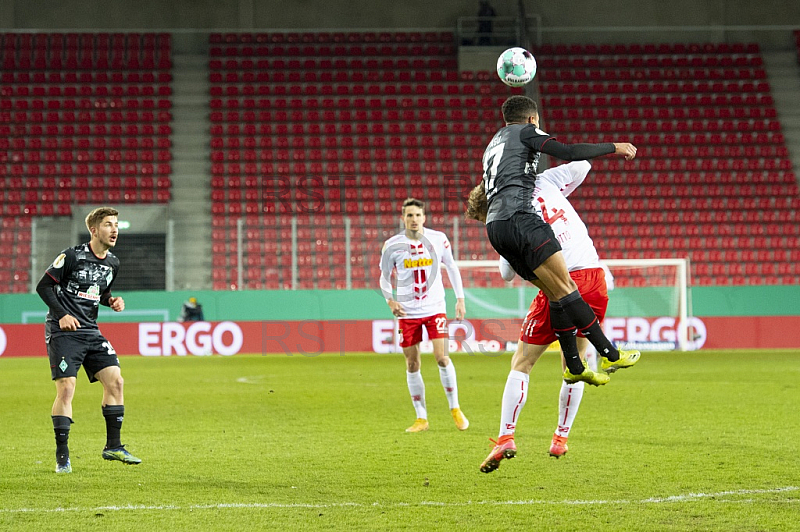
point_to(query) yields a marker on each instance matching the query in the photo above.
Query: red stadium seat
(693, 97)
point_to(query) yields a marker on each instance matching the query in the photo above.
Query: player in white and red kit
(551, 203)
(415, 257)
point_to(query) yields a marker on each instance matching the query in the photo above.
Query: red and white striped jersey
(417, 267)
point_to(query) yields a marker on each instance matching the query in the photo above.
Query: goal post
(649, 307)
(654, 286)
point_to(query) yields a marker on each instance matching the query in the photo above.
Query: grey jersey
(509, 170)
(82, 280)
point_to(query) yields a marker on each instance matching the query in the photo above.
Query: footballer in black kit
(511, 159)
(519, 233)
(79, 282)
(73, 287)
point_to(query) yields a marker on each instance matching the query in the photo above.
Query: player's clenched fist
(117, 304)
(626, 149)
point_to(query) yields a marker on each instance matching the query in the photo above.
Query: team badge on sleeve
(59, 262)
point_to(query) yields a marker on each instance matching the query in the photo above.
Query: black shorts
(525, 241)
(68, 352)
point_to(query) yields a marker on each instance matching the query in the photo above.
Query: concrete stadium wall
(299, 14)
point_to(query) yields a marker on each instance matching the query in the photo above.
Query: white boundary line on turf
(688, 497)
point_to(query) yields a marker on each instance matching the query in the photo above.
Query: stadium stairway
(783, 72)
(783, 69)
(190, 208)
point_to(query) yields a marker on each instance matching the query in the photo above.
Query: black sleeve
(47, 291)
(576, 152)
(106, 295)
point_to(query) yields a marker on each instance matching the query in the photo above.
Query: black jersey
(509, 169)
(83, 280)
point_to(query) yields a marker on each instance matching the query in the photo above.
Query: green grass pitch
(684, 441)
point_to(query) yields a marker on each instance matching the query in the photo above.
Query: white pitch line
(689, 497)
(256, 379)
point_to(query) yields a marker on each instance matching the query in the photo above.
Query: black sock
(61, 427)
(113, 415)
(566, 333)
(584, 318)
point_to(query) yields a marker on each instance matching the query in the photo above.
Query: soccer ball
(516, 67)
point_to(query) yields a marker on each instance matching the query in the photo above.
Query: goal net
(649, 306)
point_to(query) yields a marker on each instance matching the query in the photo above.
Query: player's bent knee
(114, 385)
(65, 387)
(65, 394)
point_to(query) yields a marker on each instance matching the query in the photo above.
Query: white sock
(417, 390)
(514, 397)
(568, 402)
(591, 357)
(447, 375)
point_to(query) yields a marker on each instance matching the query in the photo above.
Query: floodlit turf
(699, 441)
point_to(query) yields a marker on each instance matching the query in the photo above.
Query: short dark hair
(519, 109)
(412, 202)
(97, 216)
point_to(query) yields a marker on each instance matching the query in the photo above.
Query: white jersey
(551, 203)
(417, 265)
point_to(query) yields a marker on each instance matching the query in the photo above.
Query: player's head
(103, 225)
(477, 204)
(193, 300)
(413, 211)
(520, 110)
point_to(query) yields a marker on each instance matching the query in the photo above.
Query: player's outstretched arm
(567, 177)
(581, 152)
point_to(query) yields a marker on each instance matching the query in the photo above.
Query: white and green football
(516, 67)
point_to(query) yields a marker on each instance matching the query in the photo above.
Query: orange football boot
(558, 447)
(504, 448)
